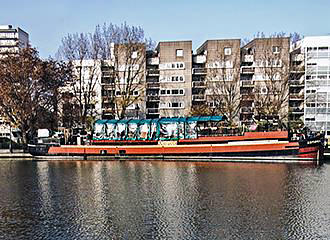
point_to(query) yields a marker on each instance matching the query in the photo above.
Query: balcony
(296, 96)
(200, 71)
(107, 99)
(199, 84)
(153, 84)
(199, 59)
(153, 72)
(153, 61)
(108, 74)
(247, 97)
(248, 58)
(246, 110)
(296, 110)
(296, 83)
(247, 70)
(153, 98)
(247, 83)
(298, 57)
(198, 98)
(108, 86)
(153, 110)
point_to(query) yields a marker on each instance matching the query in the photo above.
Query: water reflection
(163, 200)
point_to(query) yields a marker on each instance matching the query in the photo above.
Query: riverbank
(16, 155)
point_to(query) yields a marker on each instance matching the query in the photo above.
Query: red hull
(265, 144)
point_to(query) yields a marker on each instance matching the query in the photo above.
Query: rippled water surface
(155, 200)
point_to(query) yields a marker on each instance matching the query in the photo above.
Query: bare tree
(129, 57)
(272, 92)
(120, 50)
(28, 93)
(223, 83)
(83, 52)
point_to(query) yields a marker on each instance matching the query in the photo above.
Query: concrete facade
(177, 80)
(265, 68)
(11, 39)
(316, 92)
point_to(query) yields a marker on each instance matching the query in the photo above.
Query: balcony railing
(247, 83)
(298, 58)
(153, 72)
(199, 97)
(297, 83)
(153, 110)
(153, 85)
(247, 97)
(199, 59)
(107, 99)
(296, 96)
(199, 84)
(246, 110)
(199, 71)
(247, 70)
(248, 58)
(296, 110)
(153, 61)
(153, 98)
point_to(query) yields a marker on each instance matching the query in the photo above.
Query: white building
(84, 90)
(11, 39)
(317, 82)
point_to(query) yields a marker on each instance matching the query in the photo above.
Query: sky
(47, 22)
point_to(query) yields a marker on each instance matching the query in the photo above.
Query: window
(136, 93)
(134, 54)
(323, 48)
(168, 92)
(175, 105)
(227, 51)
(276, 49)
(117, 93)
(179, 52)
(175, 91)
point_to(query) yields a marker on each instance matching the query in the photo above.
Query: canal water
(163, 200)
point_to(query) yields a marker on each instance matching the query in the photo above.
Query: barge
(192, 139)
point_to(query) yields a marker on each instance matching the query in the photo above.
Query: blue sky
(197, 20)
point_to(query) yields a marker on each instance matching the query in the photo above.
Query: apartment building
(265, 73)
(11, 39)
(107, 89)
(296, 86)
(169, 80)
(83, 94)
(270, 80)
(216, 77)
(316, 92)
